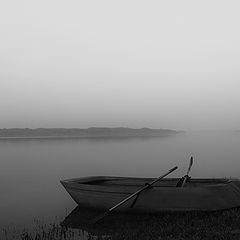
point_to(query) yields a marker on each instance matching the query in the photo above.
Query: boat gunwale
(81, 184)
(85, 180)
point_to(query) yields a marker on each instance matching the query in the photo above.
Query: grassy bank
(170, 226)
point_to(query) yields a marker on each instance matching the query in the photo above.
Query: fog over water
(162, 64)
(31, 170)
(130, 63)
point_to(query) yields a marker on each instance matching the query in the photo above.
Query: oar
(148, 185)
(189, 168)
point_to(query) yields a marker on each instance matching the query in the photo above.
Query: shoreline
(83, 137)
(93, 132)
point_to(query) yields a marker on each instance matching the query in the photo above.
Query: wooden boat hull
(197, 195)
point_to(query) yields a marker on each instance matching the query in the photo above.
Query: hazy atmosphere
(160, 64)
(119, 119)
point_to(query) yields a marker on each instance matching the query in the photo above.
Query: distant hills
(92, 132)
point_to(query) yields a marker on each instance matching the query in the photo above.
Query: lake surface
(30, 169)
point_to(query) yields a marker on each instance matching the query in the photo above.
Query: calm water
(31, 169)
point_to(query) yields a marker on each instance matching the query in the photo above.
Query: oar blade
(191, 160)
(190, 165)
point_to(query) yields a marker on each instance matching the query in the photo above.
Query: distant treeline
(88, 132)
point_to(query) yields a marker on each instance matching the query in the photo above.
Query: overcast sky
(162, 64)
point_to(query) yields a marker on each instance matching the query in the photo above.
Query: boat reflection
(114, 225)
(118, 225)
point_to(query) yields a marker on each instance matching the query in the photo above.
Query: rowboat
(199, 194)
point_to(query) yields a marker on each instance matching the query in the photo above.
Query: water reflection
(163, 225)
(113, 225)
(81, 218)
(118, 225)
(32, 168)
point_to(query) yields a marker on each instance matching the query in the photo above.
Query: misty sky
(162, 64)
